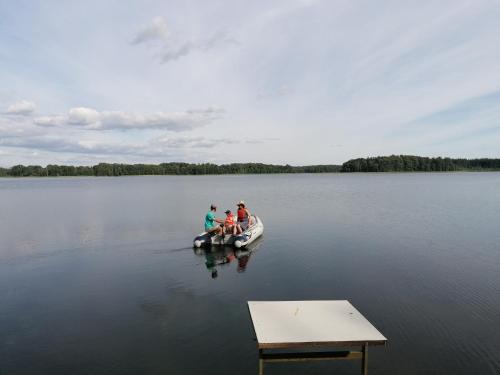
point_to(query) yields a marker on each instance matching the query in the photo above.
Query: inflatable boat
(240, 240)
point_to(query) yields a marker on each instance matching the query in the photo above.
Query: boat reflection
(222, 256)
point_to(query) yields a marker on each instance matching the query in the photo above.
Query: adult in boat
(244, 217)
(229, 224)
(212, 223)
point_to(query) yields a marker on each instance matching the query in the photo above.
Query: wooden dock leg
(364, 365)
(261, 363)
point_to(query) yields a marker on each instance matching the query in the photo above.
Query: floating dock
(309, 325)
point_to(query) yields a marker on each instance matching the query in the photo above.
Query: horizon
(249, 163)
(300, 82)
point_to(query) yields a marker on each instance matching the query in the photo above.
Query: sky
(295, 82)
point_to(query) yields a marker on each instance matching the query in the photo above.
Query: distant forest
(105, 169)
(394, 163)
(408, 163)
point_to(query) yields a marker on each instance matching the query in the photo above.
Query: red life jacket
(229, 220)
(242, 214)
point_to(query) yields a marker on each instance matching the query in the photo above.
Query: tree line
(409, 163)
(107, 169)
(393, 163)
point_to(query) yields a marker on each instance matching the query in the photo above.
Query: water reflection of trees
(222, 256)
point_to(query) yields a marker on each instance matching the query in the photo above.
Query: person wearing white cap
(244, 217)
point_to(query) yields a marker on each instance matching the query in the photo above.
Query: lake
(98, 275)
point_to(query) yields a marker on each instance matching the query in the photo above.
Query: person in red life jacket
(229, 224)
(244, 217)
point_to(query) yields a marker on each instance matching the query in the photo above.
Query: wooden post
(364, 366)
(261, 363)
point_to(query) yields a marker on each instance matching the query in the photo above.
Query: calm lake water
(98, 276)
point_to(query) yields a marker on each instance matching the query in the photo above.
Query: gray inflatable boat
(240, 240)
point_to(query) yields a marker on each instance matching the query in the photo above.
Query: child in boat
(229, 224)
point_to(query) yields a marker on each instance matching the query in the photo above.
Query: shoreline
(378, 164)
(255, 174)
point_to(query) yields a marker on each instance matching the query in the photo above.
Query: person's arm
(249, 217)
(218, 221)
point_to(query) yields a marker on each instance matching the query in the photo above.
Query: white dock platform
(311, 324)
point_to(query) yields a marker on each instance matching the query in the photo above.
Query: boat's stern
(202, 240)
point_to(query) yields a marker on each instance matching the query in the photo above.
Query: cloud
(259, 140)
(173, 121)
(190, 142)
(156, 31)
(56, 120)
(157, 147)
(21, 108)
(175, 47)
(273, 93)
(77, 133)
(473, 117)
(464, 110)
(171, 53)
(89, 118)
(83, 116)
(63, 145)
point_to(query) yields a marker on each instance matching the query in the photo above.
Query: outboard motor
(202, 240)
(241, 240)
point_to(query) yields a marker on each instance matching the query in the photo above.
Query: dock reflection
(217, 257)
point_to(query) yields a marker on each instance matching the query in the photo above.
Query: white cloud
(174, 52)
(60, 144)
(55, 120)
(120, 120)
(154, 32)
(22, 108)
(173, 121)
(83, 117)
(173, 48)
(190, 142)
(162, 146)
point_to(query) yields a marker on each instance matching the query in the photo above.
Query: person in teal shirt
(212, 223)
